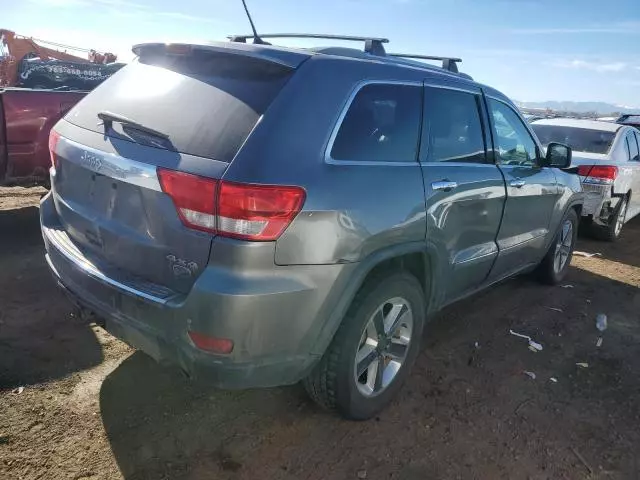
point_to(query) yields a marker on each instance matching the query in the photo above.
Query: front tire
(373, 350)
(555, 264)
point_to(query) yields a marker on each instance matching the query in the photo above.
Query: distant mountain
(580, 107)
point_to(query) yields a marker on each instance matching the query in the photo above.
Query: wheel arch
(578, 208)
(576, 204)
(412, 257)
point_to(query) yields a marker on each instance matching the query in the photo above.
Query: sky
(532, 50)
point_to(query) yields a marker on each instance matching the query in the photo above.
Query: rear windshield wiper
(109, 118)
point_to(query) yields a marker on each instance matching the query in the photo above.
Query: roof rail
(372, 45)
(448, 63)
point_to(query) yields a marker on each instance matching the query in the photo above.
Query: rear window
(207, 103)
(630, 120)
(579, 139)
(381, 125)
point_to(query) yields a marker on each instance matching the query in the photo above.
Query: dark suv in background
(260, 215)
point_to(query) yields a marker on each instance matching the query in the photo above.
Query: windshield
(579, 139)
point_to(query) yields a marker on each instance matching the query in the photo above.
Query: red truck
(51, 83)
(26, 116)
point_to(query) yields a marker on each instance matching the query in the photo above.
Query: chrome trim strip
(522, 240)
(334, 132)
(332, 161)
(94, 273)
(444, 185)
(445, 86)
(493, 253)
(458, 164)
(109, 164)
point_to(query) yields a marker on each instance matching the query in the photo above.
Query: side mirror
(558, 155)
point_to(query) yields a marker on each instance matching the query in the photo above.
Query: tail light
(193, 196)
(598, 173)
(243, 211)
(257, 212)
(54, 137)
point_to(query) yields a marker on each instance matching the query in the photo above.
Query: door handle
(517, 183)
(444, 185)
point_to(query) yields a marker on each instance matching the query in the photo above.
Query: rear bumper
(273, 314)
(599, 202)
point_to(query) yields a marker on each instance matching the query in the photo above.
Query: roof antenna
(256, 37)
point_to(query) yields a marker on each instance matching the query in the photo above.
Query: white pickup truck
(608, 159)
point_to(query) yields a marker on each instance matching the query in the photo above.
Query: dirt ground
(92, 408)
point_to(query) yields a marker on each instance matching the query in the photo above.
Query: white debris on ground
(578, 253)
(601, 322)
(532, 344)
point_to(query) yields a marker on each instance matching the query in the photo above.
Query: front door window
(514, 143)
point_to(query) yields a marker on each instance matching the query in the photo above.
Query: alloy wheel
(622, 213)
(563, 246)
(383, 346)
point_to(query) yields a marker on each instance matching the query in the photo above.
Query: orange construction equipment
(17, 48)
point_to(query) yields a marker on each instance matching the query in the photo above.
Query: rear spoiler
(285, 57)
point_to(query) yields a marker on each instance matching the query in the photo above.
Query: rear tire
(611, 233)
(395, 301)
(555, 264)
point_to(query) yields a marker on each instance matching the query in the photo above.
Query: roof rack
(372, 45)
(448, 63)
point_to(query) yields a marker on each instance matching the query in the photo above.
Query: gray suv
(259, 216)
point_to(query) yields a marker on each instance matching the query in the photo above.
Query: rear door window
(205, 102)
(452, 120)
(382, 124)
(632, 145)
